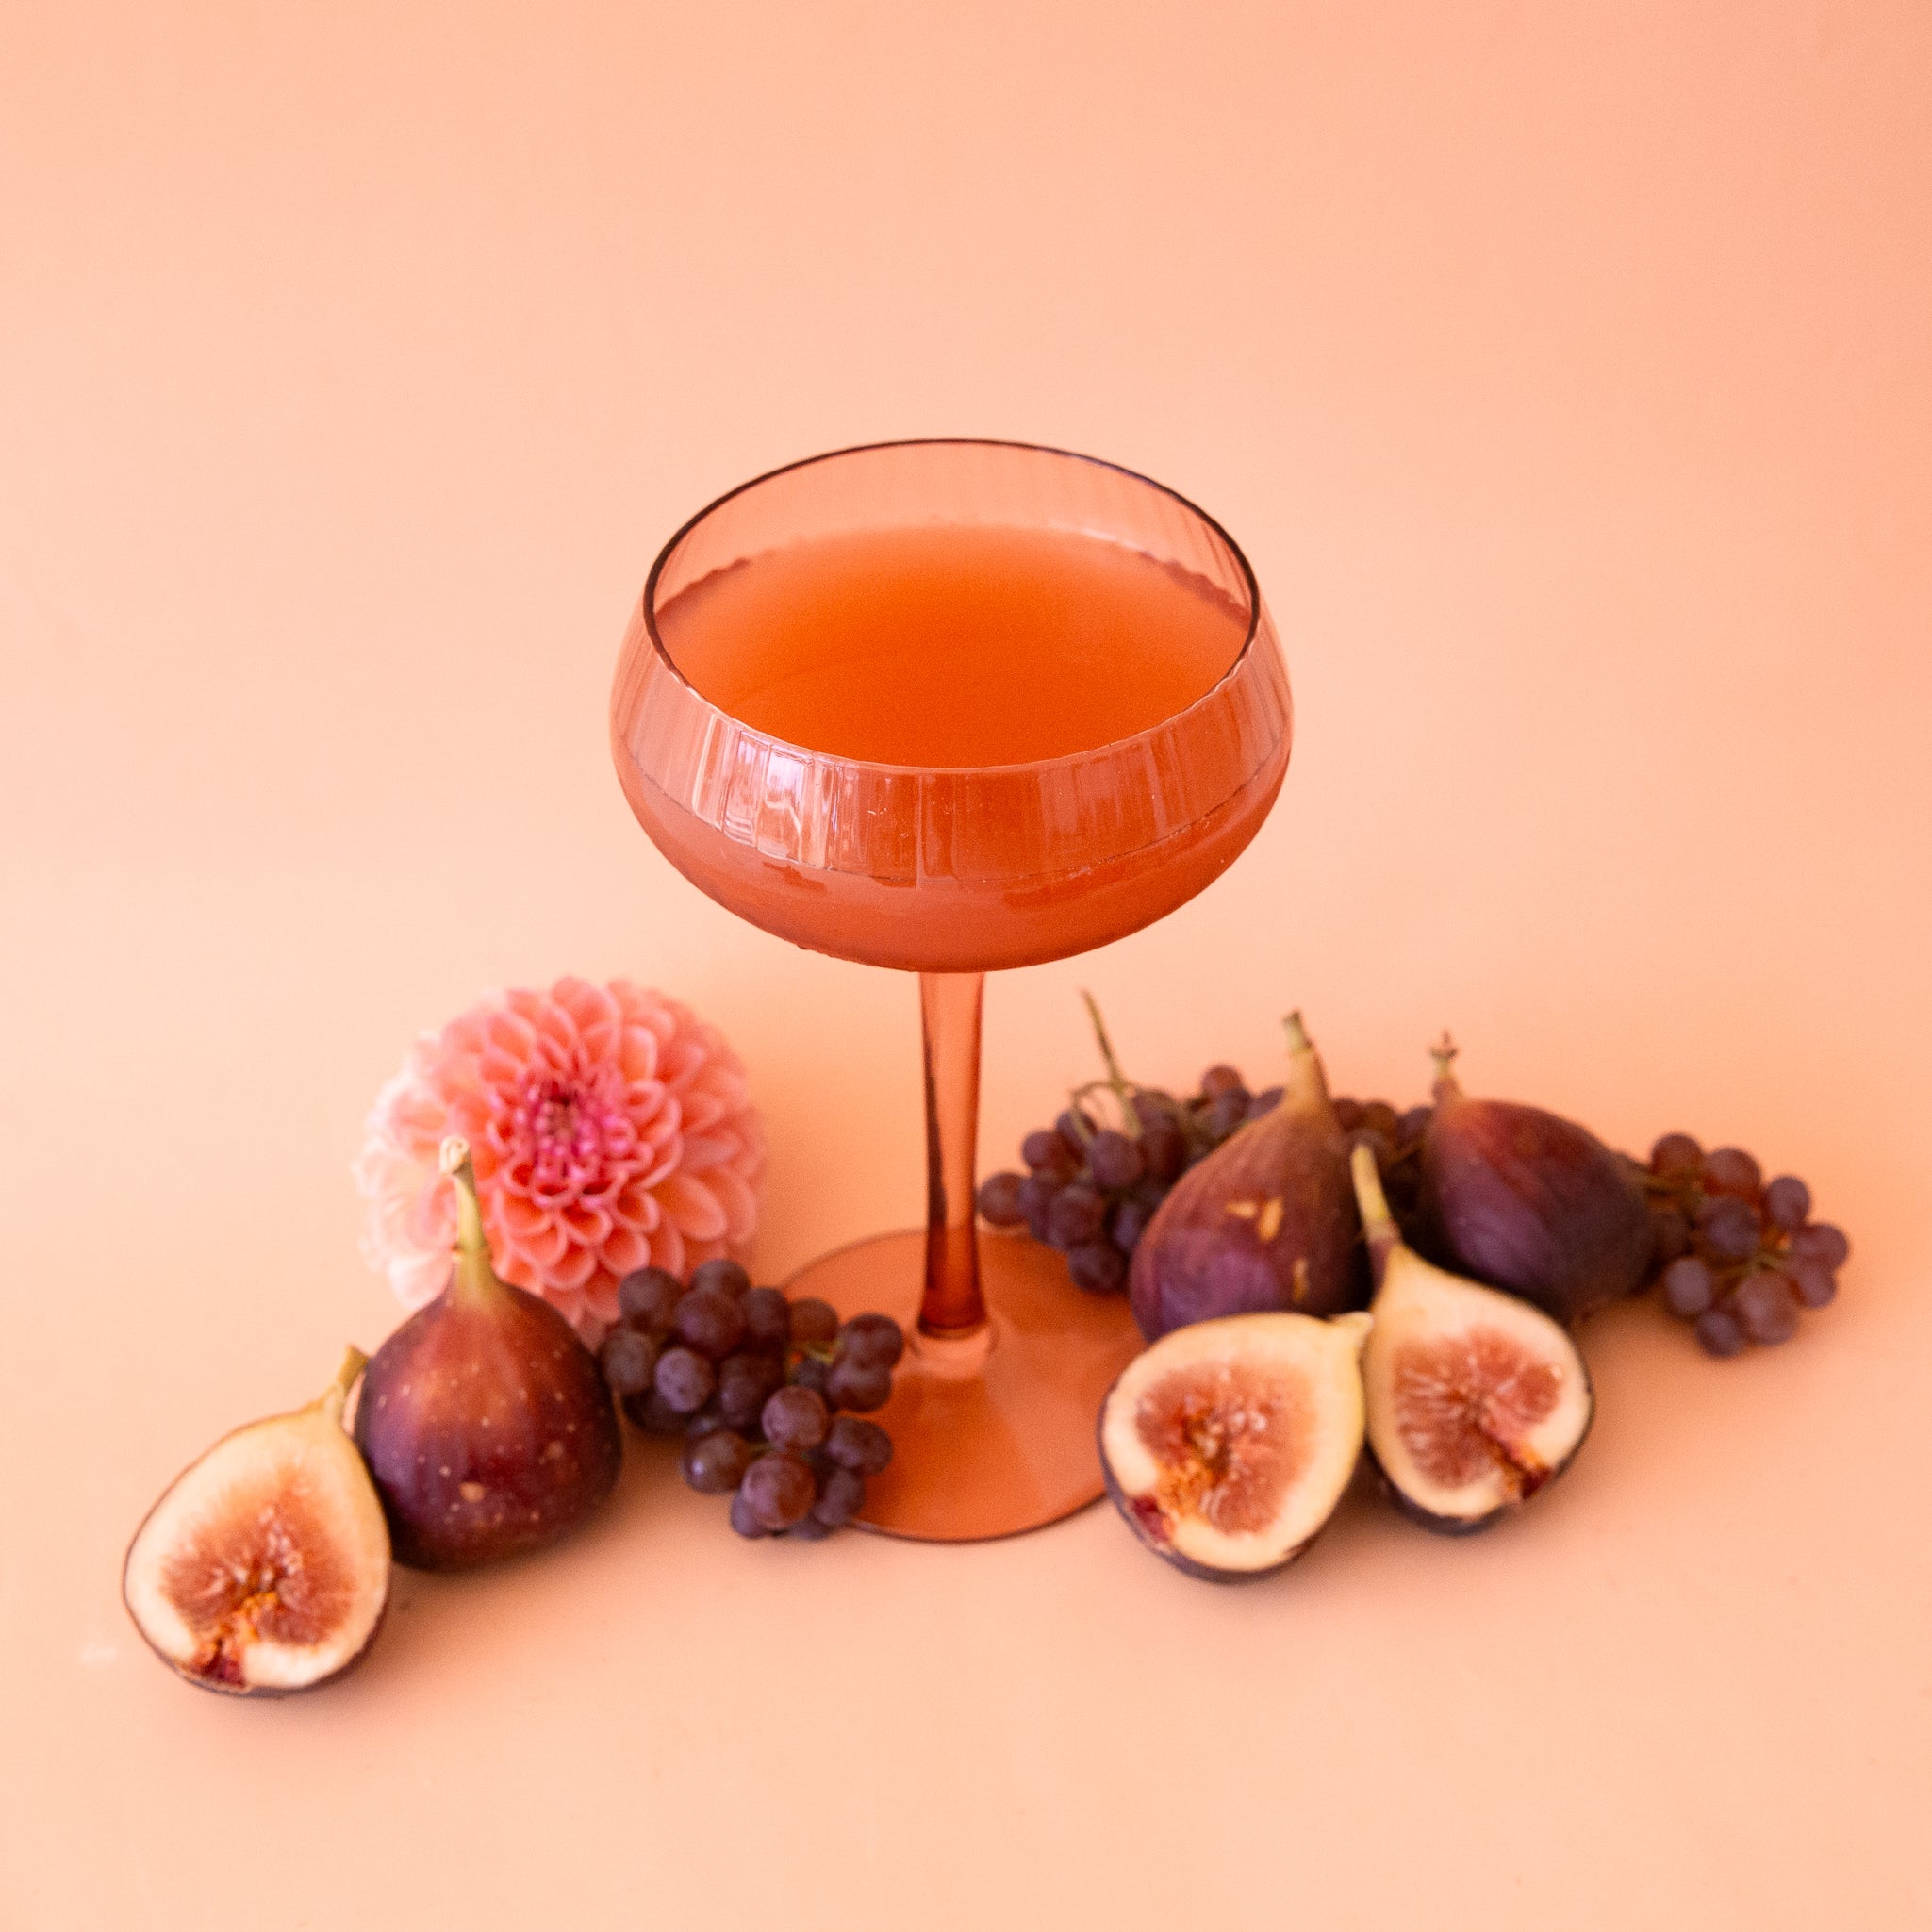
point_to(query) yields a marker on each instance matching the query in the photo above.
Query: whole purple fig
(1266, 1221)
(487, 1424)
(1531, 1202)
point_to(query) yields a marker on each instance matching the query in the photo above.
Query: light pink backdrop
(1566, 373)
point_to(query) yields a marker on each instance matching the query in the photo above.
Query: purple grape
(1045, 1152)
(654, 1414)
(1077, 1215)
(1689, 1287)
(1076, 1126)
(1347, 1114)
(767, 1318)
(1816, 1284)
(808, 1372)
(1264, 1102)
(744, 1517)
(851, 1385)
(1727, 1230)
(1787, 1203)
(1414, 1124)
(853, 1443)
(1718, 1332)
(710, 1321)
(1155, 1107)
(628, 1357)
(684, 1380)
(779, 1489)
(795, 1419)
(723, 1276)
(744, 1383)
(1821, 1242)
(1765, 1307)
(1670, 1233)
(1676, 1154)
(1128, 1223)
(998, 1199)
(815, 1323)
(705, 1421)
(1164, 1150)
(1037, 1194)
(809, 1530)
(715, 1464)
(1731, 1171)
(840, 1497)
(872, 1341)
(1114, 1159)
(1224, 1114)
(1380, 1118)
(1222, 1079)
(1098, 1267)
(648, 1297)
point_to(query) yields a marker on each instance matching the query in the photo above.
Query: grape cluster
(1396, 1140)
(1090, 1189)
(770, 1396)
(1736, 1255)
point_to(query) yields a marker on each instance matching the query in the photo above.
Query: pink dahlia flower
(609, 1127)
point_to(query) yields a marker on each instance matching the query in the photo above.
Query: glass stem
(949, 1009)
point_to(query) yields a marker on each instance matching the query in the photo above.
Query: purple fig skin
(1531, 1202)
(1266, 1221)
(486, 1422)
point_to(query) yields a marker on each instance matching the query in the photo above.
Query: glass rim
(1111, 748)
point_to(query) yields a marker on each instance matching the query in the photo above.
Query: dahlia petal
(740, 1205)
(667, 1249)
(627, 1249)
(587, 1227)
(637, 1207)
(418, 1279)
(600, 1301)
(573, 1270)
(707, 1150)
(637, 1054)
(691, 1206)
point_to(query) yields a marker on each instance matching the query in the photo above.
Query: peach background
(1566, 373)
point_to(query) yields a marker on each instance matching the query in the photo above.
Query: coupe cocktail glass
(950, 706)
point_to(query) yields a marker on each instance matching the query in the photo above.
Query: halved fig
(1227, 1443)
(265, 1566)
(1476, 1399)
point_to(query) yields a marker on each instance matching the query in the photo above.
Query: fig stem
(1378, 1223)
(332, 1398)
(1130, 1119)
(1297, 1034)
(473, 1275)
(1444, 1053)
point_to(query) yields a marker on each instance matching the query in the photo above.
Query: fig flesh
(265, 1566)
(1226, 1445)
(487, 1424)
(1531, 1201)
(1264, 1222)
(1476, 1399)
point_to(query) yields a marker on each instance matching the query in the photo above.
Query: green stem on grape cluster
(1130, 1116)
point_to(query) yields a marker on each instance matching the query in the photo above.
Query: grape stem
(1130, 1117)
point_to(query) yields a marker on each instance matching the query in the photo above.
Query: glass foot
(996, 1433)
